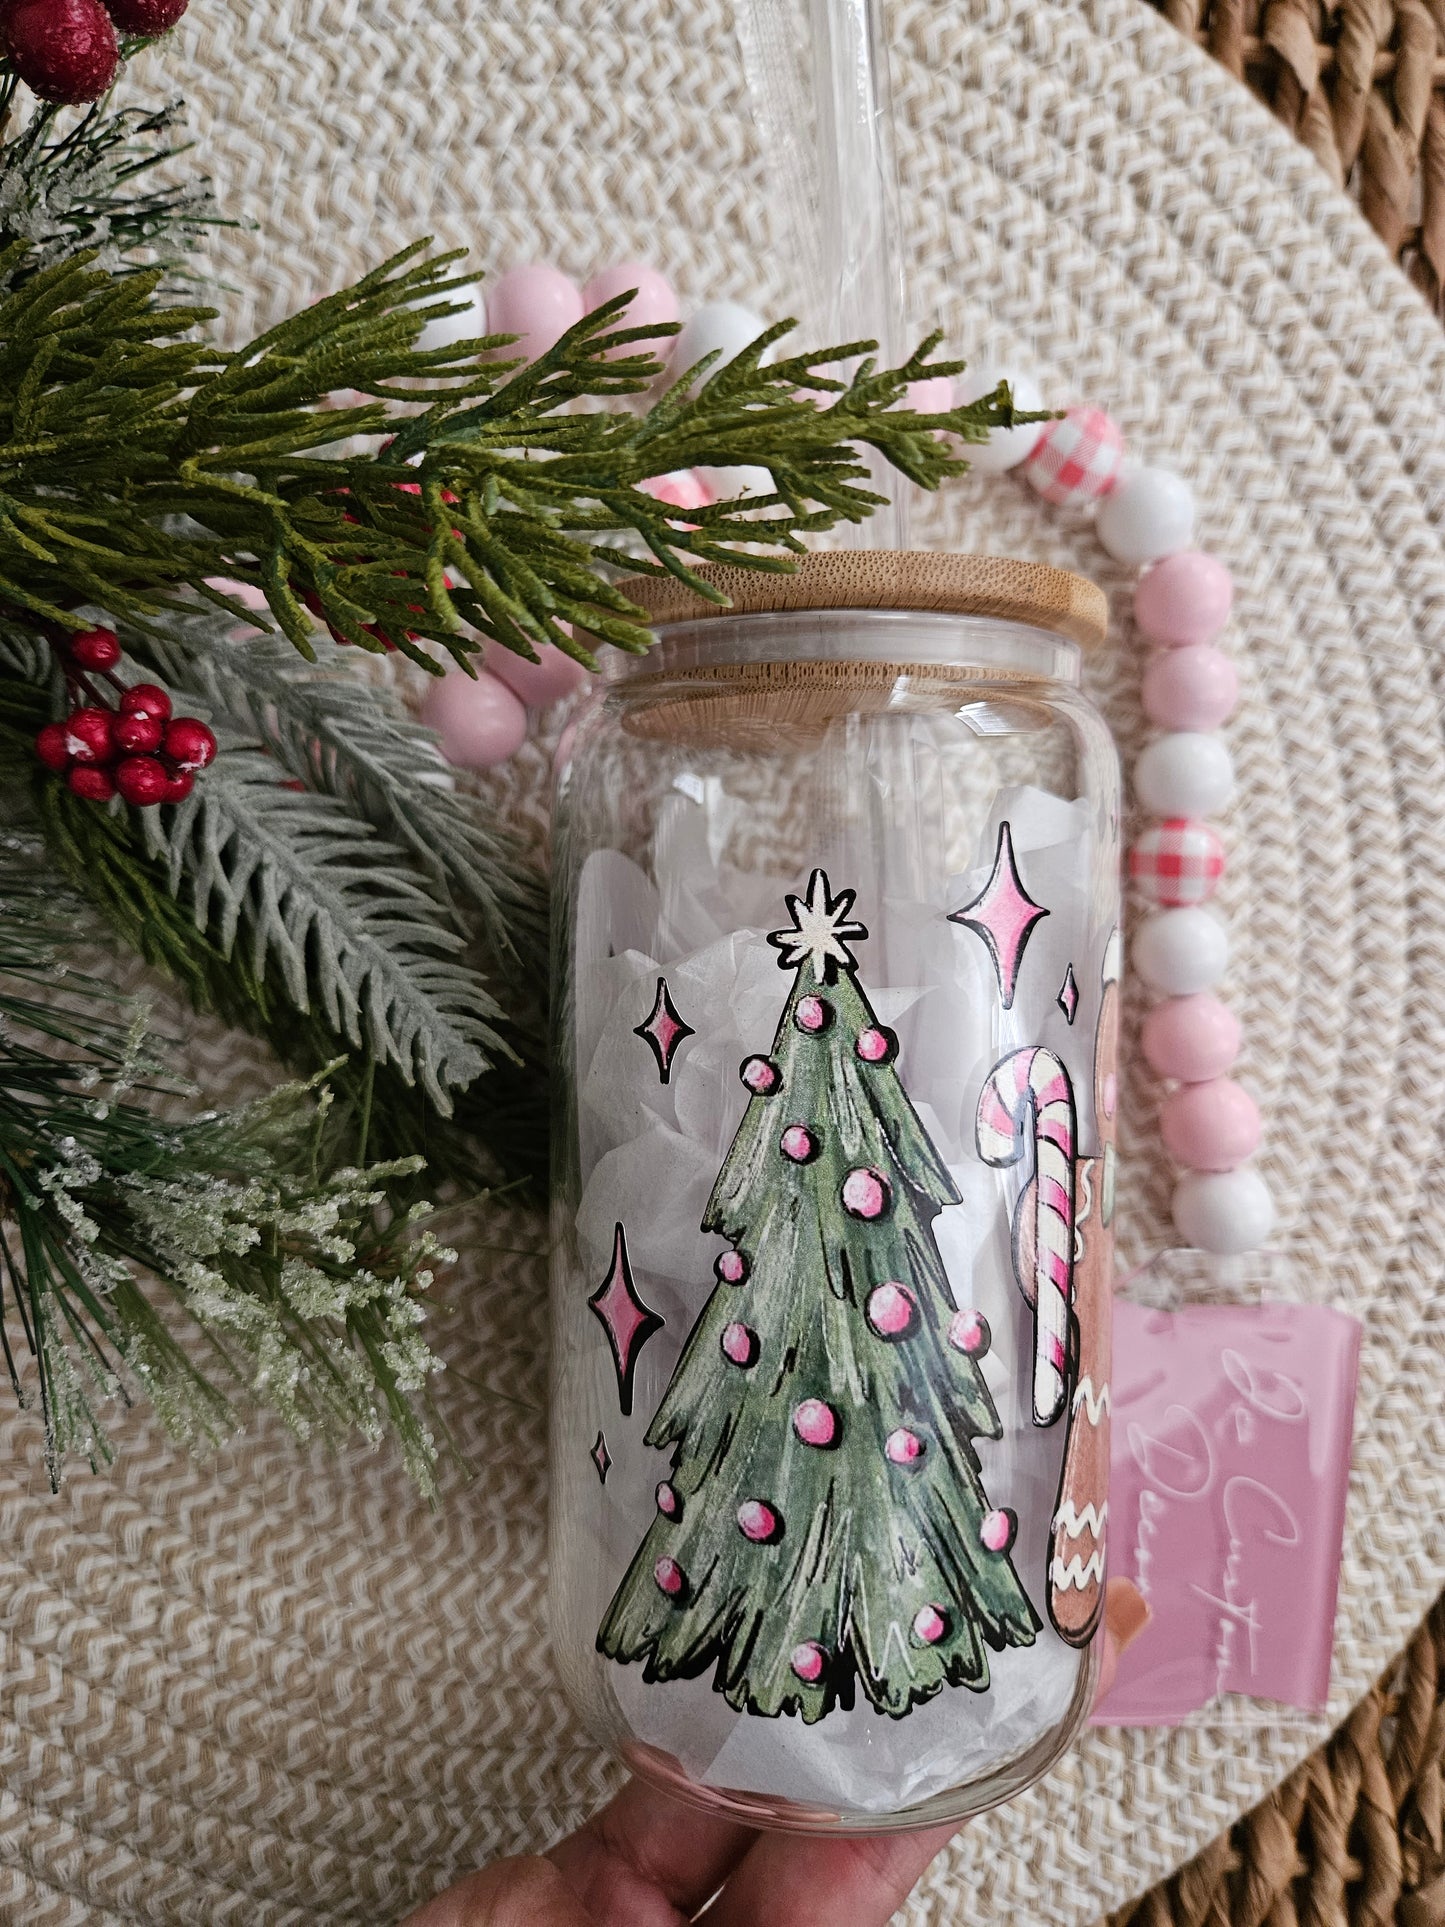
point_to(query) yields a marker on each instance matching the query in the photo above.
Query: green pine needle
(295, 1274)
(137, 461)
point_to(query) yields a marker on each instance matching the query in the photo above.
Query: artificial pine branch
(341, 916)
(92, 186)
(138, 460)
(293, 1266)
(338, 730)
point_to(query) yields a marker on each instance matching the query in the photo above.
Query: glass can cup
(836, 878)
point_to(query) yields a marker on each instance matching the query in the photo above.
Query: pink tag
(1231, 1457)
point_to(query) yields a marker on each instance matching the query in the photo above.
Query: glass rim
(970, 644)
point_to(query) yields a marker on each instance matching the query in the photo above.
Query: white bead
(467, 326)
(1225, 1212)
(1187, 773)
(726, 484)
(1178, 952)
(1005, 447)
(723, 326)
(1149, 515)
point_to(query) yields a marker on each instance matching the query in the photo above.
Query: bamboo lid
(972, 585)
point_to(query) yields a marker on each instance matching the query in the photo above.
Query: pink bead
(866, 1194)
(669, 1576)
(903, 1447)
(761, 1075)
(968, 1332)
(929, 1625)
(668, 1503)
(1210, 1127)
(931, 397)
(680, 488)
(798, 1144)
(891, 1310)
(1191, 1038)
(479, 720)
(731, 1267)
(653, 304)
(808, 1661)
(813, 1014)
(997, 1532)
(547, 680)
(1184, 600)
(538, 304)
(815, 1422)
(758, 1521)
(1195, 687)
(739, 1344)
(876, 1046)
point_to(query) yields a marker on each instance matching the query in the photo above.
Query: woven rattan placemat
(274, 1690)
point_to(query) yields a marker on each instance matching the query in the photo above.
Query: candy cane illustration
(1032, 1084)
(1081, 1510)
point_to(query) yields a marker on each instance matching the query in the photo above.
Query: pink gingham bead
(1210, 1127)
(1191, 688)
(1184, 599)
(1177, 862)
(1076, 459)
(1192, 1038)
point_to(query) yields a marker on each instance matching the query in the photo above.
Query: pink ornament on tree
(798, 1144)
(479, 721)
(812, 1014)
(731, 1267)
(739, 1344)
(866, 1193)
(759, 1522)
(761, 1076)
(998, 1529)
(929, 1625)
(876, 1046)
(815, 1422)
(670, 1578)
(808, 1661)
(968, 1332)
(668, 1503)
(891, 1310)
(903, 1447)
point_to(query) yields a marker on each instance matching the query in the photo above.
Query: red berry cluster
(67, 51)
(138, 749)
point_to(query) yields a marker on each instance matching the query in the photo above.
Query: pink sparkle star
(1068, 997)
(664, 1030)
(601, 1457)
(1003, 914)
(627, 1321)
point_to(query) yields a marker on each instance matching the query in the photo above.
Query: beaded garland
(1144, 517)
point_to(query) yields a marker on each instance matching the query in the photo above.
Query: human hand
(646, 1861)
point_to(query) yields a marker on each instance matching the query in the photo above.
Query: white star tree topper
(821, 931)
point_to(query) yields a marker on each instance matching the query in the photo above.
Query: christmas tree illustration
(825, 1523)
